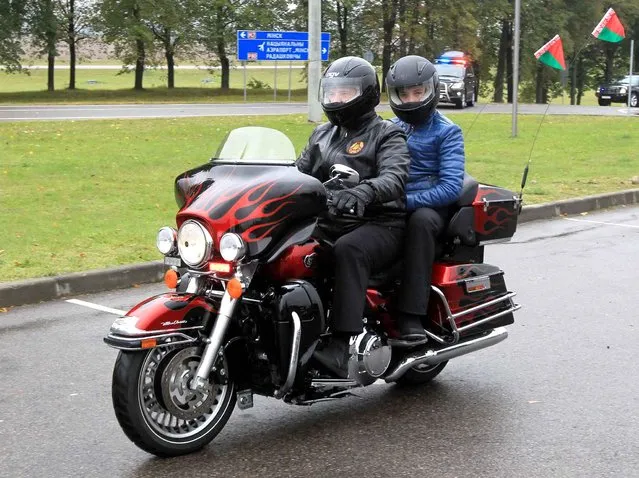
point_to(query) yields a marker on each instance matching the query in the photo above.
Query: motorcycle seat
(468, 191)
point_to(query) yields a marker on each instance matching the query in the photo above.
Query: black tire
(634, 100)
(604, 102)
(420, 376)
(461, 103)
(472, 99)
(137, 397)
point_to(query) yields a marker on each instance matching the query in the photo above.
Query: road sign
(255, 45)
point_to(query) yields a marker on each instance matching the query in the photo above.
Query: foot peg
(245, 399)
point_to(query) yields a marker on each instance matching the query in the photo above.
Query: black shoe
(410, 327)
(335, 356)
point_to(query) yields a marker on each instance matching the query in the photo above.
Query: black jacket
(377, 151)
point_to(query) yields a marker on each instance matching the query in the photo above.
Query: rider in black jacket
(367, 220)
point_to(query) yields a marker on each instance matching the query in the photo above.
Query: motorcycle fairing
(171, 311)
(260, 202)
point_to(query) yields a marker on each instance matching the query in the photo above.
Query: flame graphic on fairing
(252, 204)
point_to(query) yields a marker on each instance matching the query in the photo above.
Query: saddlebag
(467, 299)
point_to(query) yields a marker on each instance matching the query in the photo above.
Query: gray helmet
(349, 89)
(413, 89)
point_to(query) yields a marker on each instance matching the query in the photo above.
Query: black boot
(335, 355)
(410, 327)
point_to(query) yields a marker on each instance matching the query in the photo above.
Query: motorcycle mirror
(348, 176)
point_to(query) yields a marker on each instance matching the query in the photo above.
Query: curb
(37, 290)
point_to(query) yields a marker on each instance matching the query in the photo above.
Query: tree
(389, 17)
(43, 24)
(12, 14)
(75, 24)
(582, 16)
(122, 23)
(172, 23)
(343, 27)
(218, 21)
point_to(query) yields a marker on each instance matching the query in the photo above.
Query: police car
(457, 82)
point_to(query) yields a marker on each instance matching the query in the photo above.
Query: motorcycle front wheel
(155, 406)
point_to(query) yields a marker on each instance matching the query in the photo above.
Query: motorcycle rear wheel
(157, 410)
(421, 374)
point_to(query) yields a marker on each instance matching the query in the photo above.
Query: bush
(256, 84)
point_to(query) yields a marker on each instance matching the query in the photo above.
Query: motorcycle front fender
(166, 319)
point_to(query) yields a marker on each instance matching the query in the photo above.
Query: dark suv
(617, 91)
(457, 82)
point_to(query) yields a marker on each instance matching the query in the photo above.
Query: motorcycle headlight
(194, 243)
(457, 86)
(232, 247)
(166, 240)
(623, 91)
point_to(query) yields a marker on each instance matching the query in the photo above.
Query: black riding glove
(353, 200)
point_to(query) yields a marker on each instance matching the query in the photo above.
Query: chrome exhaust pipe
(433, 357)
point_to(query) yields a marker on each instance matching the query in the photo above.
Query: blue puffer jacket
(437, 162)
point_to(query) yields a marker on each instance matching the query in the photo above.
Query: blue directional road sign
(255, 45)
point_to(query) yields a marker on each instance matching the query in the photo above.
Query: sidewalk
(49, 288)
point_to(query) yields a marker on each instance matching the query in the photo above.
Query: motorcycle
(252, 300)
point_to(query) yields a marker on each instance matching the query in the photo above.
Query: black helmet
(413, 88)
(349, 89)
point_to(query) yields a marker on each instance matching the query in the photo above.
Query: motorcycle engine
(369, 358)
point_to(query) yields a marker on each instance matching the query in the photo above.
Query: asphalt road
(131, 111)
(558, 398)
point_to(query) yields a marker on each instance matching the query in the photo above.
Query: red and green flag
(552, 54)
(609, 28)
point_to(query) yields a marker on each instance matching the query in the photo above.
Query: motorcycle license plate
(605, 97)
(173, 261)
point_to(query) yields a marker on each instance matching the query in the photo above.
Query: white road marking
(99, 307)
(601, 222)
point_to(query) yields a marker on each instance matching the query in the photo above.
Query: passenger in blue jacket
(434, 183)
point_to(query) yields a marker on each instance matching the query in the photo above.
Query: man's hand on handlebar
(352, 201)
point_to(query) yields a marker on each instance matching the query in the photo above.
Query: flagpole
(516, 68)
(632, 57)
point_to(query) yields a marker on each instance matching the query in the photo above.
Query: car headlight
(166, 240)
(232, 247)
(457, 86)
(623, 91)
(194, 243)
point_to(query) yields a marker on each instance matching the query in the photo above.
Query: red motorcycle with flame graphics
(252, 300)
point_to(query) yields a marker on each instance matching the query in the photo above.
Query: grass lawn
(91, 194)
(191, 86)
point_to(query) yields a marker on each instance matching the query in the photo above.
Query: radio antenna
(525, 175)
(475, 120)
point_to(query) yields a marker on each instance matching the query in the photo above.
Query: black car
(617, 91)
(457, 82)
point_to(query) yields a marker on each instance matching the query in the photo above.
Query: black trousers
(424, 227)
(359, 254)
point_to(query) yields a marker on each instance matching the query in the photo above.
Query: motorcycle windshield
(256, 144)
(252, 188)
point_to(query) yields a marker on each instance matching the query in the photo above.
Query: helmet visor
(412, 94)
(335, 91)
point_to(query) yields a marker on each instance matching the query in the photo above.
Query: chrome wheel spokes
(171, 409)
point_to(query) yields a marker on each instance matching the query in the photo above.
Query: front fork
(214, 342)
